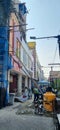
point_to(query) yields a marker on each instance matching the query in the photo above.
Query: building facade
(15, 57)
(54, 78)
(38, 73)
(18, 63)
(22, 59)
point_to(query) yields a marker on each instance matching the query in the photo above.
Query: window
(17, 49)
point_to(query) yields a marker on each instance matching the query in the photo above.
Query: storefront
(13, 83)
(14, 74)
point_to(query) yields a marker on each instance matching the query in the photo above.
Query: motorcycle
(38, 105)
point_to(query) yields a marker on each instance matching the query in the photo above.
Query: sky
(44, 16)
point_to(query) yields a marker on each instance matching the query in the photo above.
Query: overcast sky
(44, 16)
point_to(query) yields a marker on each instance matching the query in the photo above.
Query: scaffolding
(6, 6)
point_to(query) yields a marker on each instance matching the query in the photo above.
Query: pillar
(19, 84)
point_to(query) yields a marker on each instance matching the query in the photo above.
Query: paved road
(9, 120)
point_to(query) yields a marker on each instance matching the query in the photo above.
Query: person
(36, 93)
(29, 93)
(49, 89)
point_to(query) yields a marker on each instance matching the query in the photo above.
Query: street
(10, 120)
(29, 66)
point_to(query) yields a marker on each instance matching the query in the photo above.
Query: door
(14, 84)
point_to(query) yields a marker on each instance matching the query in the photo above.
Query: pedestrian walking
(36, 93)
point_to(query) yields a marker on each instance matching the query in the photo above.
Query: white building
(38, 73)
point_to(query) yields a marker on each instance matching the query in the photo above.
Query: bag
(36, 90)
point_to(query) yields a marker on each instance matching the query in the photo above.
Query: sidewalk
(26, 107)
(17, 108)
(20, 105)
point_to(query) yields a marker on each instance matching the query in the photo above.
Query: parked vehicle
(38, 104)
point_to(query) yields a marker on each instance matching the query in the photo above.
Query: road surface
(9, 120)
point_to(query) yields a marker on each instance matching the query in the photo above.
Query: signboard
(55, 74)
(31, 45)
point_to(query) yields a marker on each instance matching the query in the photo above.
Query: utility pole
(48, 37)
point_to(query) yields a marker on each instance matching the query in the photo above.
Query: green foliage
(56, 84)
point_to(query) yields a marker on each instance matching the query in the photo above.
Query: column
(19, 84)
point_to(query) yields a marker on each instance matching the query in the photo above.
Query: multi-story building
(15, 58)
(17, 64)
(54, 78)
(38, 73)
(20, 75)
